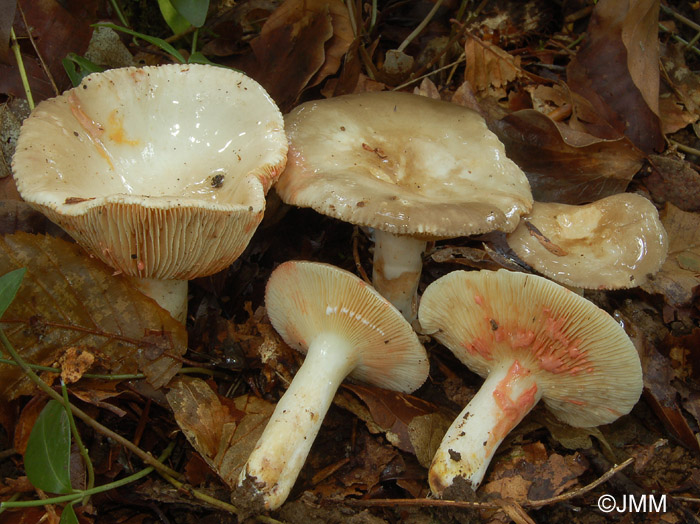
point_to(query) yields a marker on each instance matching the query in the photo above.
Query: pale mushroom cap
(160, 171)
(402, 163)
(305, 299)
(586, 366)
(616, 242)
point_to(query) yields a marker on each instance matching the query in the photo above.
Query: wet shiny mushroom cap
(616, 242)
(583, 362)
(160, 171)
(308, 299)
(402, 163)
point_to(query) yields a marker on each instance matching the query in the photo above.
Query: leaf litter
(576, 94)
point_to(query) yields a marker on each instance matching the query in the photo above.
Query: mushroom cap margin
(122, 159)
(586, 365)
(402, 163)
(304, 299)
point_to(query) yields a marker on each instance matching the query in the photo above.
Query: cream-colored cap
(616, 242)
(585, 364)
(306, 299)
(402, 163)
(161, 172)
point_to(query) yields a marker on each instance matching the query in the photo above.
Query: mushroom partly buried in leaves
(161, 172)
(345, 328)
(412, 168)
(616, 242)
(533, 340)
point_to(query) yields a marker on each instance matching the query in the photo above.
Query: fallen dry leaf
(224, 431)
(564, 165)
(617, 70)
(68, 299)
(57, 28)
(299, 45)
(679, 277)
(74, 363)
(673, 180)
(489, 69)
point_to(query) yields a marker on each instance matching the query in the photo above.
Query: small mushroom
(345, 328)
(532, 339)
(412, 168)
(161, 172)
(613, 243)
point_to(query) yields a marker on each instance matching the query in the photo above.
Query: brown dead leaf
(680, 98)
(530, 474)
(57, 28)
(26, 421)
(222, 430)
(564, 165)
(674, 180)
(489, 69)
(69, 299)
(299, 45)
(74, 363)
(7, 16)
(394, 414)
(617, 70)
(679, 277)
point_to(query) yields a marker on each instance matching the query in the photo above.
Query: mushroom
(532, 339)
(345, 328)
(410, 167)
(616, 242)
(161, 172)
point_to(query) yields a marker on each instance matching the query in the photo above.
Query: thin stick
(47, 72)
(22, 70)
(146, 457)
(420, 27)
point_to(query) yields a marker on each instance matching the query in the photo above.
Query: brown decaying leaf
(58, 28)
(222, 430)
(489, 69)
(677, 280)
(674, 180)
(26, 421)
(68, 299)
(300, 44)
(531, 474)
(617, 69)
(564, 165)
(7, 16)
(679, 102)
(395, 414)
(74, 363)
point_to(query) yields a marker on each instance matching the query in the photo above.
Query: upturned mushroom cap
(308, 299)
(402, 163)
(161, 171)
(616, 242)
(585, 365)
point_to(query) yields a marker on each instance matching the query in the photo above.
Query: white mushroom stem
(171, 295)
(398, 262)
(279, 455)
(508, 394)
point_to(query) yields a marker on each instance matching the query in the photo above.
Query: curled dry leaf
(674, 180)
(679, 277)
(224, 431)
(617, 69)
(68, 299)
(300, 44)
(564, 165)
(489, 69)
(74, 363)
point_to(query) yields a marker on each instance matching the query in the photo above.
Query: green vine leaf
(47, 457)
(195, 11)
(9, 284)
(68, 515)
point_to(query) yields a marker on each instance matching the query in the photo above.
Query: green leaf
(177, 23)
(159, 42)
(195, 11)
(78, 67)
(9, 284)
(68, 515)
(47, 458)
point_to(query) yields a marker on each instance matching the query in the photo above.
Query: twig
(146, 457)
(418, 78)
(490, 505)
(356, 255)
(684, 148)
(419, 27)
(22, 70)
(47, 72)
(580, 491)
